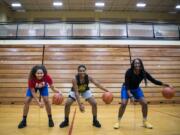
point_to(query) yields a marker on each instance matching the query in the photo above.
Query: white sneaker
(117, 125)
(146, 124)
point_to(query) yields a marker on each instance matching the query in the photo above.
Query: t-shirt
(82, 87)
(132, 80)
(38, 84)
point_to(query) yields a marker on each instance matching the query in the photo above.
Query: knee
(67, 104)
(27, 102)
(144, 104)
(94, 104)
(46, 101)
(123, 105)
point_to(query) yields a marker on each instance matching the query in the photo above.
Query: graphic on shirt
(82, 87)
(40, 85)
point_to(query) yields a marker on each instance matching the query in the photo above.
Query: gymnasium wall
(105, 62)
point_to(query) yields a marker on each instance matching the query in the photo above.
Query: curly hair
(34, 70)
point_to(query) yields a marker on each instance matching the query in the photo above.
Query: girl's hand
(41, 105)
(107, 91)
(56, 91)
(132, 100)
(81, 108)
(167, 85)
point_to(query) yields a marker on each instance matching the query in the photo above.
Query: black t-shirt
(82, 87)
(132, 80)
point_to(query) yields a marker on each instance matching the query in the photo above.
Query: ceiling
(88, 5)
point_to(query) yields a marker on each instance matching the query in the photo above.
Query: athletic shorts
(86, 95)
(137, 93)
(43, 92)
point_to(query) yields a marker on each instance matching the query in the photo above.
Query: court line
(72, 123)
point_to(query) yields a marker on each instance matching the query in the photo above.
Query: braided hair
(81, 66)
(142, 69)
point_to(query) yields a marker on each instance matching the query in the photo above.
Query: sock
(66, 119)
(119, 119)
(144, 119)
(50, 117)
(94, 118)
(24, 118)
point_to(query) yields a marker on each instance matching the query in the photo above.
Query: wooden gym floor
(165, 119)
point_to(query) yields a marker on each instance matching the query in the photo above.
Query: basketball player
(38, 81)
(80, 86)
(131, 90)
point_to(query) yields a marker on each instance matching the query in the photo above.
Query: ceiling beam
(64, 15)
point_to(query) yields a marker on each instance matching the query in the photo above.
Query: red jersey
(35, 83)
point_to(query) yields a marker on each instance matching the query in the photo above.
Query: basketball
(107, 97)
(57, 99)
(168, 92)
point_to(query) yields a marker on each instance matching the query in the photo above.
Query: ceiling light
(177, 6)
(57, 4)
(99, 4)
(141, 5)
(16, 4)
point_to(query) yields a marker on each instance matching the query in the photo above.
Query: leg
(48, 110)
(122, 109)
(27, 102)
(124, 101)
(140, 97)
(47, 104)
(144, 105)
(26, 105)
(87, 95)
(93, 103)
(67, 107)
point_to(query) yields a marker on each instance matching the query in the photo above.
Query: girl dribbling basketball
(131, 90)
(38, 81)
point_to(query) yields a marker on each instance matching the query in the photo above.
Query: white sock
(144, 119)
(119, 119)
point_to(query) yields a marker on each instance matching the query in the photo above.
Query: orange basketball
(57, 99)
(107, 97)
(168, 92)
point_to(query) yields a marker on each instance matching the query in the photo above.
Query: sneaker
(64, 124)
(22, 124)
(96, 124)
(146, 124)
(117, 125)
(51, 123)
